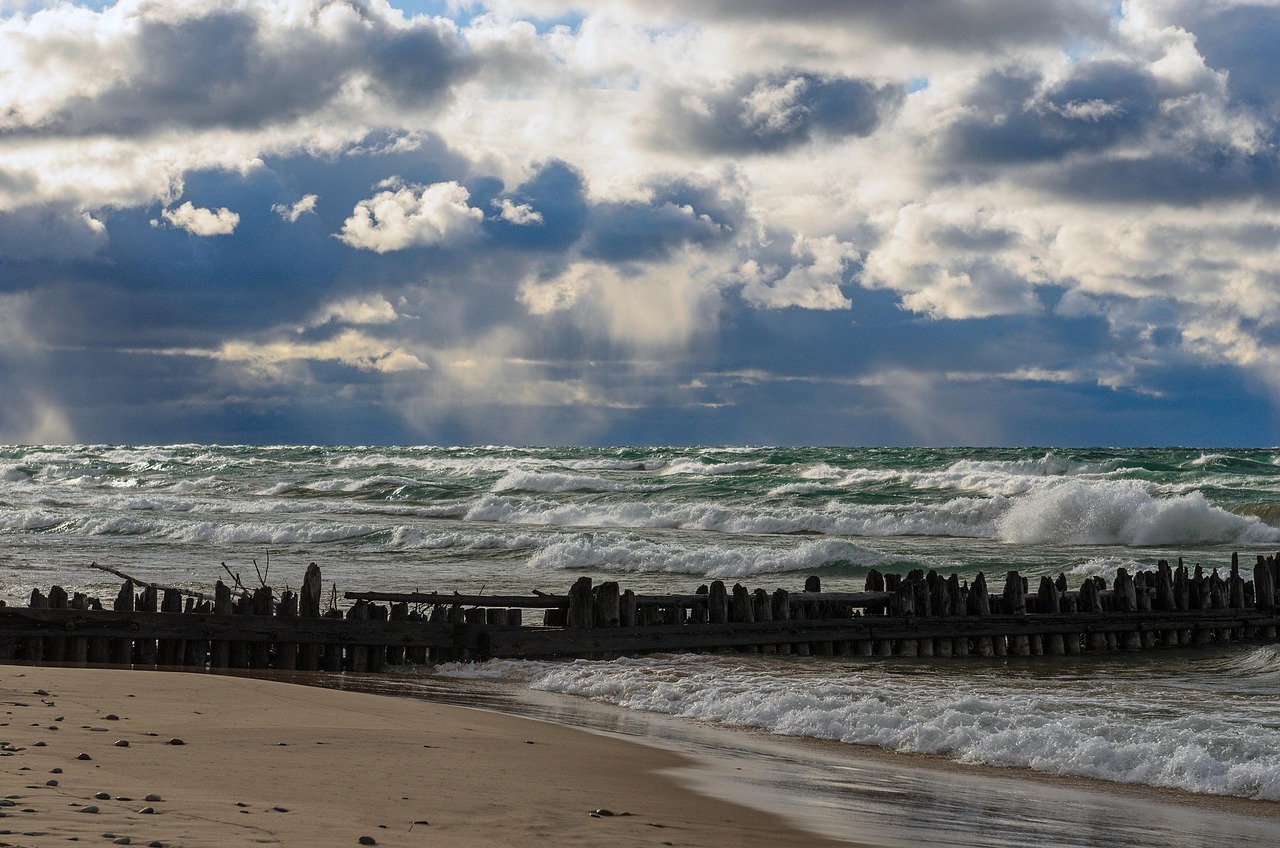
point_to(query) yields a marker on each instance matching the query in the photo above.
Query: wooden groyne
(912, 615)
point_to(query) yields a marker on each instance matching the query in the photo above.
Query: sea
(505, 520)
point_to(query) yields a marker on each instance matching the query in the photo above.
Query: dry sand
(239, 761)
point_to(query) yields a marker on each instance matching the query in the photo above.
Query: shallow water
(840, 792)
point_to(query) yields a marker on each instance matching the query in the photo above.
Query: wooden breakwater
(910, 615)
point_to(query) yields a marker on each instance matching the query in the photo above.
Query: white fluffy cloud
(291, 212)
(405, 216)
(203, 222)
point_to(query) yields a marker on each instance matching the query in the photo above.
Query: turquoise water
(500, 519)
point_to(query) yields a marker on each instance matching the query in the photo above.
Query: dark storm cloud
(1008, 119)
(678, 213)
(766, 114)
(232, 68)
(965, 24)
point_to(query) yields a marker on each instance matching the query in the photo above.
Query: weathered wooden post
(1125, 598)
(718, 603)
(780, 610)
(220, 649)
(581, 605)
(56, 646)
(261, 605)
(36, 645)
(309, 607)
(762, 610)
(378, 653)
(741, 612)
(1264, 592)
(78, 646)
(608, 603)
(399, 613)
(1048, 602)
(627, 609)
(241, 606)
(1014, 602)
(148, 601)
(332, 660)
(1091, 603)
(1067, 604)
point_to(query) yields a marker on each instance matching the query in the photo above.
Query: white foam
(1124, 513)
(1045, 725)
(632, 554)
(695, 466)
(544, 481)
(963, 517)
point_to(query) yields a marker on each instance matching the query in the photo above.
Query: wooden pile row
(910, 615)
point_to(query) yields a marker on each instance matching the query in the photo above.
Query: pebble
(84, 757)
(51, 783)
(122, 743)
(40, 745)
(5, 802)
(102, 796)
(368, 840)
(55, 771)
(146, 811)
(123, 840)
(175, 741)
(111, 717)
(153, 797)
(40, 692)
(89, 809)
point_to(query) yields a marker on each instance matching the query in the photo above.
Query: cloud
(641, 219)
(292, 212)
(764, 114)
(520, 214)
(412, 216)
(202, 222)
(813, 282)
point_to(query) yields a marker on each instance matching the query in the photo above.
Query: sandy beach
(178, 759)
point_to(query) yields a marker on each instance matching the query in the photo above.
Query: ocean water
(502, 520)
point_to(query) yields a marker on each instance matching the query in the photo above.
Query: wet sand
(241, 761)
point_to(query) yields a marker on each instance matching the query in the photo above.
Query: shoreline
(826, 785)
(243, 760)
(359, 756)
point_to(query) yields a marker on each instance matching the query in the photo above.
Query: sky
(873, 222)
